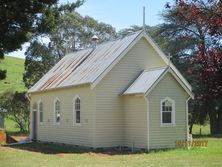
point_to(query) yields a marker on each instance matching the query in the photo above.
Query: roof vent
(95, 40)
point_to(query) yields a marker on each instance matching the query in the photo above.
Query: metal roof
(145, 81)
(85, 66)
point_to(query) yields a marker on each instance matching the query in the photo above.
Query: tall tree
(39, 59)
(17, 18)
(74, 32)
(198, 22)
(21, 19)
(71, 33)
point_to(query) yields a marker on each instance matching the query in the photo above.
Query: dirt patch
(6, 139)
(99, 155)
(2, 137)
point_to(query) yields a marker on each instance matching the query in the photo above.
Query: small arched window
(167, 111)
(76, 115)
(40, 107)
(57, 115)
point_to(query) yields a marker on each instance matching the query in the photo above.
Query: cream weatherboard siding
(66, 132)
(135, 123)
(165, 136)
(109, 120)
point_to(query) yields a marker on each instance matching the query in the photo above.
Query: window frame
(74, 111)
(172, 112)
(54, 115)
(39, 102)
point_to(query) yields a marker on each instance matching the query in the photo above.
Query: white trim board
(148, 123)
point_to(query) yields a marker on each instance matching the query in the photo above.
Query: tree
(198, 22)
(17, 107)
(73, 32)
(39, 59)
(21, 19)
(17, 18)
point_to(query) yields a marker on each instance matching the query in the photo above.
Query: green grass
(12, 129)
(15, 70)
(205, 129)
(10, 126)
(13, 82)
(71, 156)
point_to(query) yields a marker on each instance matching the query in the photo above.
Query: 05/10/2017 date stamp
(193, 143)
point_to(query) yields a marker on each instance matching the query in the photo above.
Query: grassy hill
(15, 70)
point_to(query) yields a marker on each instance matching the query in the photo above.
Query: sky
(118, 13)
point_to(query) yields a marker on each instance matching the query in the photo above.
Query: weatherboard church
(121, 93)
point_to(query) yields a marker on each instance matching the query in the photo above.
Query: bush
(17, 107)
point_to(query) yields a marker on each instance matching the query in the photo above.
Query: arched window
(57, 109)
(167, 111)
(76, 115)
(40, 108)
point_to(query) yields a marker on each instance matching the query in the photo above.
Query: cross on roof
(169, 57)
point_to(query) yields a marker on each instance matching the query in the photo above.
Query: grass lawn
(205, 129)
(10, 126)
(15, 70)
(57, 155)
(12, 129)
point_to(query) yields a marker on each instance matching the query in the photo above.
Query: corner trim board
(148, 123)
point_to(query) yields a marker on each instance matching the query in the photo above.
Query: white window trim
(40, 101)
(54, 120)
(74, 111)
(172, 115)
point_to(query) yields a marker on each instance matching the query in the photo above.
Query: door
(1, 122)
(34, 125)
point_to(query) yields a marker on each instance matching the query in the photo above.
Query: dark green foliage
(17, 19)
(3, 74)
(69, 8)
(17, 106)
(20, 18)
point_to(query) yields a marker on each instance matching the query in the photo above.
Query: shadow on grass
(51, 148)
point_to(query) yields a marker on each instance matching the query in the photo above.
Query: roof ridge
(104, 42)
(120, 38)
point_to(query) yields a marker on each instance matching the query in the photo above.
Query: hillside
(15, 70)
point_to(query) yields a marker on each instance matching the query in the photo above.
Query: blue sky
(119, 13)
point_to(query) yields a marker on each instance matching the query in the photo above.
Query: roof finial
(95, 39)
(144, 23)
(169, 57)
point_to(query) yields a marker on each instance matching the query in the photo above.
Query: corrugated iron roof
(85, 66)
(145, 81)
